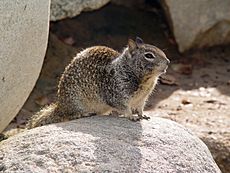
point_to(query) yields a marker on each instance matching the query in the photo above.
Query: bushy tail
(47, 115)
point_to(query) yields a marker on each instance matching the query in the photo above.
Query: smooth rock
(197, 23)
(61, 9)
(24, 29)
(107, 144)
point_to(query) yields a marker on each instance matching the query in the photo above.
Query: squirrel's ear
(132, 45)
(139, 41)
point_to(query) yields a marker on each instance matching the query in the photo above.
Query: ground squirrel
(100, 80)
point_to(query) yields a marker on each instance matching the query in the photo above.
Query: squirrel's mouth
(159, 69)
(164, 69)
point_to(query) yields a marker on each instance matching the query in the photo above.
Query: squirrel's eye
(149, 56)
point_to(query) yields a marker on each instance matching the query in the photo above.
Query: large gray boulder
(23, 38)
(61, 9)
(107, 144)
(197, 23)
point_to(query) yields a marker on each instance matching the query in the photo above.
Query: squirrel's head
(146, 58)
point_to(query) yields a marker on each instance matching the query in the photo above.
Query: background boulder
(105, 144)
(198, 23)
(24, 29)
(61, 9)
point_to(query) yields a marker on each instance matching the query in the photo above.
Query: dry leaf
(168, 80)
(213, 101)
(179, 108)
(182, 68)
(185, 101)
(42, 101)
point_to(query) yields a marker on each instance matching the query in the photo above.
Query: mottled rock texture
(107, 144)
(61, 9)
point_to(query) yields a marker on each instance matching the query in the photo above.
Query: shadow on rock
(115, 143)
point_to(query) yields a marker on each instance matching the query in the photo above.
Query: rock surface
(218, 142)
(198, 23)
(61, 9)
(24, 33)
(106, 144)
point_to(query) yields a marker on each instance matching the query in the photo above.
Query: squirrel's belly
(138, 99)
(98, 107)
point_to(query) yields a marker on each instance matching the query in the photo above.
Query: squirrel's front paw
(144, 117)
(138, 118)
(134, 118)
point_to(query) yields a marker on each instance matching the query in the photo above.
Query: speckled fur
(100, 80)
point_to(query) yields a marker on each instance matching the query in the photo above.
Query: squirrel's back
(80, 82)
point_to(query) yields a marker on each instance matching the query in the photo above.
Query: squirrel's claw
(135, 118)
(144, 117)
(139, 117)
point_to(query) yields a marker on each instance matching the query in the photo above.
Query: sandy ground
(195, 91)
